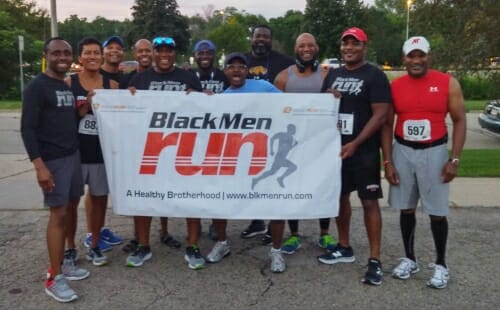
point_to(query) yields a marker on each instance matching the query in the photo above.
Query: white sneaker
(277, 261)
(440, 277)
(219, 251)
(405, 269)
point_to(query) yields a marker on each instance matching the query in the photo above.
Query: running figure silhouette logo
(285, 143)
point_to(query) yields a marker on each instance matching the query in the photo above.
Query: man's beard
(261, 50)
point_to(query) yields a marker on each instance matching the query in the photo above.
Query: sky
(120, 9)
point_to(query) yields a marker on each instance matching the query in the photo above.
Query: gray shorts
(420, 178)
(67, 178)
(95, 176)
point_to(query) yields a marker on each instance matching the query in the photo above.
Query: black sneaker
(338, 255)
(131, 246)
(374, 273)
(255, 228)
(267, 239)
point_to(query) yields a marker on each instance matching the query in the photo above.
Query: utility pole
(53, 19)
(21, 73)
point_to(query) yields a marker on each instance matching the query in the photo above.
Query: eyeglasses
(236, 67)
(163, 41)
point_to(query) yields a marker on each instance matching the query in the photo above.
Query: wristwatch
(454, 161)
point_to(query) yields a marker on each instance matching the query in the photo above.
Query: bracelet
(386, 162)
(454, 161)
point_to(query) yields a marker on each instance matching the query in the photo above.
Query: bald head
(143, 53)
(306, 49)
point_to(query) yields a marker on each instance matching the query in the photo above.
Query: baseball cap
(112, 39)
(233, 56)
(356, 32)
(416, 43)
(204, 45)
(160, 41)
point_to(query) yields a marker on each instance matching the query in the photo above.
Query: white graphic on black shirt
(167, 85)
(215, 86)
(65, 98)
(350, 85)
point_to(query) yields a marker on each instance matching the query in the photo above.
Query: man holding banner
(365, 98)
(165, 77)
(236, 71)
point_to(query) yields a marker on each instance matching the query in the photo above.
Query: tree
(229, 37)
(152, 18)
(19, 17)
(286, 29)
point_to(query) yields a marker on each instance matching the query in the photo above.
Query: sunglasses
(163, 41)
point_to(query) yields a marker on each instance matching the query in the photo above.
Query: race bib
(88, 125)
(346, 123)
(417, 130)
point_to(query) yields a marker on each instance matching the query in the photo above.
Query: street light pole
(53, 19)
(408, 4)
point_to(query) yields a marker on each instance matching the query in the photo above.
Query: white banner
(234, 156)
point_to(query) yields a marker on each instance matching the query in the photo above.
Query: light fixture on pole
(408, 5)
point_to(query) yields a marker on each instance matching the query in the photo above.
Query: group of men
(60, 135)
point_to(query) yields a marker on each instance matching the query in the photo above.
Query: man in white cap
(418, 165)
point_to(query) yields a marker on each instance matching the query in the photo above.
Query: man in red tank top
(418, 165)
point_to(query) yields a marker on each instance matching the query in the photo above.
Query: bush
(480, 85)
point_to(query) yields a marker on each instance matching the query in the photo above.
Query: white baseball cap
(416, 43)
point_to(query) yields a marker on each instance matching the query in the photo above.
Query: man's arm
(391, 173)
(281, 79)
(456, 108)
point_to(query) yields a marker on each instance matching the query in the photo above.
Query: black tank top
(90, 148)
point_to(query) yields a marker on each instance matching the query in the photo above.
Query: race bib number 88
(88, 125)
(417, 130)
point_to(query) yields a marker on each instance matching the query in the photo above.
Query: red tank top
(421, 105)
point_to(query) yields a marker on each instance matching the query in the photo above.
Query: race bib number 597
(417, 130)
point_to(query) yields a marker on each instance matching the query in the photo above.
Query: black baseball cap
(233, 56)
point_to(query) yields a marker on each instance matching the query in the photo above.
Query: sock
(275, 250)
(439, 229)
(324, 224)
(294, 227)
(407, 222)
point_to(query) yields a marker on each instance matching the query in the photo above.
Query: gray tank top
(310, 84)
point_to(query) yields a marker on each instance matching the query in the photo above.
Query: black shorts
(362, 174)
(67, 173)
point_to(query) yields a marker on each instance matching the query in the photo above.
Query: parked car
(128, 65)
(331, 63)
(489, 119)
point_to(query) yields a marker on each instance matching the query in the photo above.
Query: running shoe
(108, 236)
(327, 242)
(95, 256)
(256, 227)
(338, 255)
(219, 251)
(139, 256)
(405, 269)
(72, 272)
(194, 258)
(71, 254)
(277, 262)
(103, 246)
(59, 289)
(374, 273)
(291, 245)
(440, 277)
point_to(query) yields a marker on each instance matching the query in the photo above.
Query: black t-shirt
(49, 119)
(267, 67)
(215, 81)
(359, 88)
(126, 78)
(90, 148)
(117, 77)
(176, 80)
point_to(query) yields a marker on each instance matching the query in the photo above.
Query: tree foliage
(152, 18)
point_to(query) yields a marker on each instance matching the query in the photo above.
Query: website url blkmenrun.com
(236, 196)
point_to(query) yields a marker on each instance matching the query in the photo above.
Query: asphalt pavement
(243, 280)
